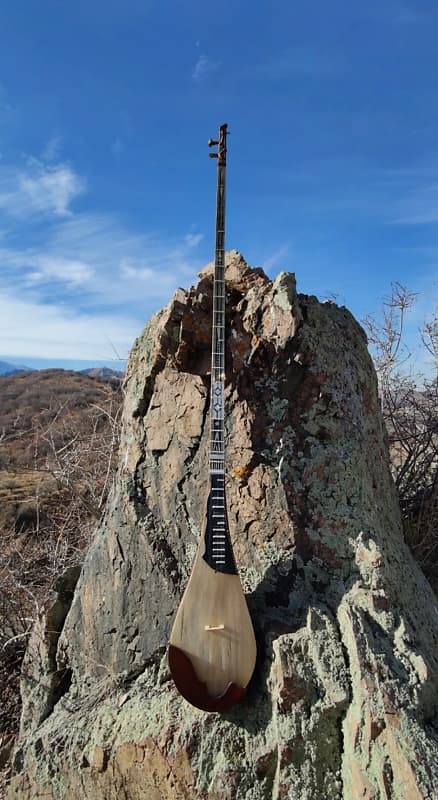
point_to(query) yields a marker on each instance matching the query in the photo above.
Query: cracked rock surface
(343, 701)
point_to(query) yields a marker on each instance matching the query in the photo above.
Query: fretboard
(217, 447)
(218, 550)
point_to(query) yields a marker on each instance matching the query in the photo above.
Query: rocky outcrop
(343, 700)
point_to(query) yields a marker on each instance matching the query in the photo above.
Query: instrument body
(212, 649)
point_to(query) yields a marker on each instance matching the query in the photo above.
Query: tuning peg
(212, 142)
(213, 155)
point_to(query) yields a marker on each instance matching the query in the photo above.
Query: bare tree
(409, 397)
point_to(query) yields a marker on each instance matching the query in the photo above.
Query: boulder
(343, 700)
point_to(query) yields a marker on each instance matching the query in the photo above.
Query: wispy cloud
(276, 258)
(89, 274)
(102, 260)
(359, 188)
(193, 239)
(415, 200)
(41, 269)
(52, 149)
(422, 209)
(140, 272)
(28, 328)
(67, 284)
(39, 188)
(203, 66)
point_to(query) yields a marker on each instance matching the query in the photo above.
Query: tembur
(212, 647)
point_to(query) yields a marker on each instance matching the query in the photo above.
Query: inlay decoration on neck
(218, 551)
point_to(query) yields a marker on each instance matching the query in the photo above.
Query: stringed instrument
(212, 649)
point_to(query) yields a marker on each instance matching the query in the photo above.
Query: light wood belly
(214, 629)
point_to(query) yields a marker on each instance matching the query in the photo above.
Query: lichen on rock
(344, 697)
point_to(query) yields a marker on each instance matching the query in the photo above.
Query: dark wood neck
(217, 449)
(218, 550)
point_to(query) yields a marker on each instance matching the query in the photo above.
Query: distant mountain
(104, 373)
(12, 369)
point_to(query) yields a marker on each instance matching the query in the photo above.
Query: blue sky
(106, 191)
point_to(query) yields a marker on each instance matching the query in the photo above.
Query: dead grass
(58, 446)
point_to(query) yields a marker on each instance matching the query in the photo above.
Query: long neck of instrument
(217, 449)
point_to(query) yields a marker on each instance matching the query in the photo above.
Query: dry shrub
(408, 383)
(62, 445)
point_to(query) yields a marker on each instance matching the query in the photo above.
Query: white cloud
(111, 279)
(38, 267)
(39, 188)
(203, 66)
(77, 279)
(72, 273)
(131, 270)
(193, 239)
(54, 331)
(51, 188)
(95, 253)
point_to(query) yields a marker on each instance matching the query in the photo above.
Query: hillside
(41, 411)
(105, 373)
(58, 442)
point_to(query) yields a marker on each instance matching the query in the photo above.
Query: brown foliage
(58, 447)
(410, 407)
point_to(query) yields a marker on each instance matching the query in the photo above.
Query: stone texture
(344, 696)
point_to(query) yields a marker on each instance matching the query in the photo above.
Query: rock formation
(343, 701)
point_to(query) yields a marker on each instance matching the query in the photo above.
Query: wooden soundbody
(212, 647)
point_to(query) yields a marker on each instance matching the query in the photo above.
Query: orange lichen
(240, 472)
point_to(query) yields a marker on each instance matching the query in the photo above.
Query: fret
(219, 535)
